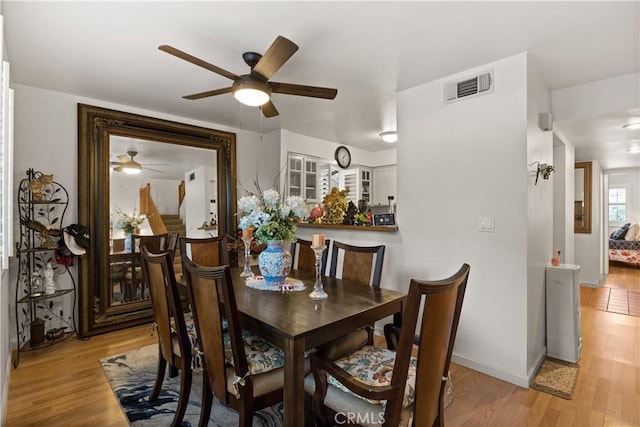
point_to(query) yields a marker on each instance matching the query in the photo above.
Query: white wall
(164, 193)
(539, 218)
(457, 163)
(563, 190)
(614, 94)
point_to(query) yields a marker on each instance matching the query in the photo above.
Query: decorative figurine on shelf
(49, 284)
(350, 214)
(316, 213)
(335, 203)
(555, 261)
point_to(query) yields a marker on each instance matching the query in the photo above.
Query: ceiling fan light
(635, 125)
(389, 137)
(131, 169)
(253, 93)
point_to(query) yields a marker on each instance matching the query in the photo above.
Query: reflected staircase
(174, 224)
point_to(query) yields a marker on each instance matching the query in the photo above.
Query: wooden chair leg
(183, 401)
(162, 367)
(173, 371)
(246, 416)
(207, 402)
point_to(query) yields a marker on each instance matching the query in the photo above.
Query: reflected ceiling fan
(255, 89)
(126, 164)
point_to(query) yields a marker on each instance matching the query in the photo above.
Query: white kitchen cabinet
(384, 185)
(302, 177)
(359, 182)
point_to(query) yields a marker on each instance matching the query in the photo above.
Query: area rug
(132, 375)
(556, 377)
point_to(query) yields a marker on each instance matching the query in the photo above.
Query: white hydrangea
(271, 199)
(297, 204)
(247, 204)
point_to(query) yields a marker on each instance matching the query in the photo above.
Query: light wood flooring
(64, 385)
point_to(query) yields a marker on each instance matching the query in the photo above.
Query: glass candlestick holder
(318, 291)
(247, 253)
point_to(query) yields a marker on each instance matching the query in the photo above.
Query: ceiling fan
(255, 89)
(126, 164)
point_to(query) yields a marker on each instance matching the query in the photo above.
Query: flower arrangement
(271, 217)
(128, 223)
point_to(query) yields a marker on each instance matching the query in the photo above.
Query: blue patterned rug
(132, 375)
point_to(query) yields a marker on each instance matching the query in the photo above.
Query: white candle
(247, 233)
(317, 240)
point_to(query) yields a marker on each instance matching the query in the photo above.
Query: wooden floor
(64, 385)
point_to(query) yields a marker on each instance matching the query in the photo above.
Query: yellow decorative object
(335, 204)
(36, 186)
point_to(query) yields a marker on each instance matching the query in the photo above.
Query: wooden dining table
(296, 323)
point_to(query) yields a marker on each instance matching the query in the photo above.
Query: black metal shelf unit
(42, 204)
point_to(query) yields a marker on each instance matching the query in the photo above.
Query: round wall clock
(343, 157)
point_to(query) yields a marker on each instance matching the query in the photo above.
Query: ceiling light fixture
(132, 169)
(635, 125)
(251, 92)
(389, 137)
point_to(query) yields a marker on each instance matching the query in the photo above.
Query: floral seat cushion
(262, 356)
(374, 366)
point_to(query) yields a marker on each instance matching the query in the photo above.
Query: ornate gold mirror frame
(582, 199)
(95, 126)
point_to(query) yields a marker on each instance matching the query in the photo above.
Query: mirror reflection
(156, 189)
(582, 198)
(133, 165)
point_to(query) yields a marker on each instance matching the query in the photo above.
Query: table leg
(294, 382)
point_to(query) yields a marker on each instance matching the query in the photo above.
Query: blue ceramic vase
(275, 263)
(127, 242)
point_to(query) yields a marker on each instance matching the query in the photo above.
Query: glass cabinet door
(310, 180)
(295, 176)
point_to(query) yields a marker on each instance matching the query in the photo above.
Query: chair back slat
(439, 303)
(211, 288)
(303, 257)
(362, 264)
(165, 301)
(203, 251)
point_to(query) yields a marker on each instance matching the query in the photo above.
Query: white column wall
(457, 163)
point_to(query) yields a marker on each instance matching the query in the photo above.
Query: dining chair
(242, 370)
(134, 280)
(362, 264)
(205, 251)
(413, 387)
(303, 258)
(174, 346)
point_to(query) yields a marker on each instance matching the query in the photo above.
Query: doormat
(556, 377)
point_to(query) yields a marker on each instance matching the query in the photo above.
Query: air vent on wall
(480, 84)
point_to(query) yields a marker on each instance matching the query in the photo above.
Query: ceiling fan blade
(197, 61)
(301, 90)
(117, 168)
(152, 170)
(269, 110)
(278, 53)
(124, 158)
(208, 93)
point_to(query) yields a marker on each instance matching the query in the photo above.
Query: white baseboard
(510, 377)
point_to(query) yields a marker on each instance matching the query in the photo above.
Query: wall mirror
(169, 153)
(582, 199)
